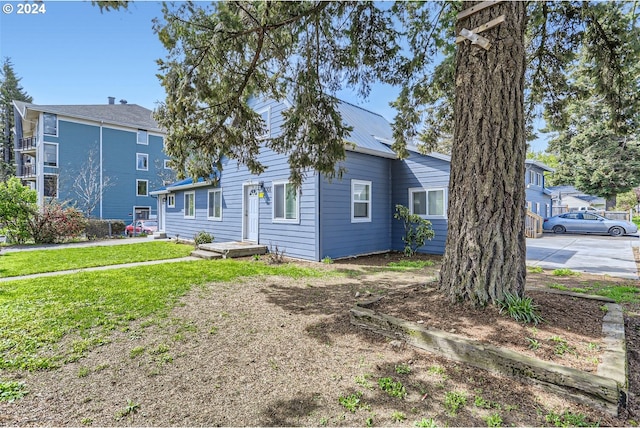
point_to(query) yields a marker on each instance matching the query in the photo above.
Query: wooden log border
(605, 390)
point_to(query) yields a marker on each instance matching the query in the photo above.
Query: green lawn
(83, 308)
(39, 261)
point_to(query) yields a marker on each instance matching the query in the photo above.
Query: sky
(72, 53)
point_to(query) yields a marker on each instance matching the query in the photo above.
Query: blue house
(104, 159)
(339, 218)
(538, 196)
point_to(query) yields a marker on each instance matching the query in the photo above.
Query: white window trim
(273, 209)
(57, 185)
(361, 219)
(171, 197)
(209, 193)
(57, 124)
(539, 179)
(139, 180)
(145, 143)
(165, 164)
(267, 110)
(445, 202)
(57, 155)
(193, 194)
(145, 155)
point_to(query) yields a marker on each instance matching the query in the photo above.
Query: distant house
(345, 217)
(538, 196)
(568, 198)
(116, 149)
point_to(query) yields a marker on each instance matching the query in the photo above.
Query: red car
(142, 226)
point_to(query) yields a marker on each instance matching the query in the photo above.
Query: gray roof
(539, 164)
(370, 130)
(128, 115)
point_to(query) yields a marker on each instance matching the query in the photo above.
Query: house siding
(420, 171)
(296, 239)
(340, 237)
(535, 192)
(77, 138)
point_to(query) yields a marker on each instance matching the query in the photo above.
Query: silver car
(586, 222)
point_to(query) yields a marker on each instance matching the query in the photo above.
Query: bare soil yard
(277, 352)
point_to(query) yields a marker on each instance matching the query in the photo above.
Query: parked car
(142, 226)
(586, 222)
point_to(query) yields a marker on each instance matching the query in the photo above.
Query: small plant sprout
(604, 308)
(534, 345)
(521, 309)
(481, 403)
(83, 371)
(535, 269)
(352, 402)
(403, 369)
(425, 423)
(363, 381)
(11, 391)
(436, 370)
(398, 416)
(494, 420)
(327, 260)
(564, 272)
(453, 401)
(394, 389)
(131, 408)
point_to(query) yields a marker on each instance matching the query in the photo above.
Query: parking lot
(601, 255)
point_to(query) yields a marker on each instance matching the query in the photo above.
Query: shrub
(52, 224)
(18, 204)
(416, 230)
(97, 229)
(202, 237)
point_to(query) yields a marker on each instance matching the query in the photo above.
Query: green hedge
(98, 229)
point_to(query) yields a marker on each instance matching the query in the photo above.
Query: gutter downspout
(40, 160)
(101, 188)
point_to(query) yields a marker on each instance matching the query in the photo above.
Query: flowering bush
(53, 223)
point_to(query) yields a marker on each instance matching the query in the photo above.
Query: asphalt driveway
(602, 255)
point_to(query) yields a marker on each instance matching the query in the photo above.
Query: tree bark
(485, 255)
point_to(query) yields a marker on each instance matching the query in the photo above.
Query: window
(531, 177)
(537, 208)
(142, 187)
(360, 201)
(50, 186)
(427, 202)
(142, 161)
(189, 205)
(171, 200)
(266, 117)
(166, 164)
(143, 138)
(50, 154)
(539, 179)
(215, 205)
(50, 124)
(285, 202)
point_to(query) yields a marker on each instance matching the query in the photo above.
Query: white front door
(251, 212)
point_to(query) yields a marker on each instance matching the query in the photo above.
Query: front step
(234, 249)
(207, 255)
(159, 235)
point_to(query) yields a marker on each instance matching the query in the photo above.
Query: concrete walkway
(90, 269)
(99, 243)
(600, 255)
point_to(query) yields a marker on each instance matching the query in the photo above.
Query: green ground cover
(45, 322)
(40, 261)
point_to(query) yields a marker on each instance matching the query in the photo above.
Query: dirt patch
(281, 352)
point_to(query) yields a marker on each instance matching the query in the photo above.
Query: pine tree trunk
(485, 255)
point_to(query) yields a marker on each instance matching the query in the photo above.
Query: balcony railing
(28, 143)
(26, 171)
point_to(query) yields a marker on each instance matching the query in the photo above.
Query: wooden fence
(533, 225)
